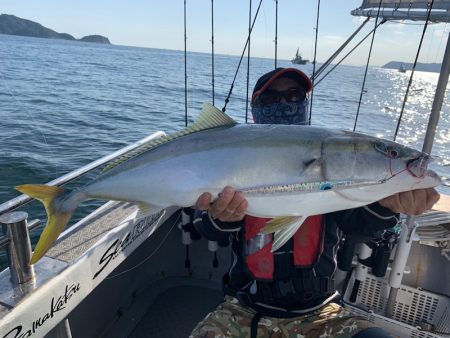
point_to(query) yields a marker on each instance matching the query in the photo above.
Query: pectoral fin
(279, 223)
(283, 235)
(312, 166)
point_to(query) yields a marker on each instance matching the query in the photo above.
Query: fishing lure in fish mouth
(288, 172)
(419, 167)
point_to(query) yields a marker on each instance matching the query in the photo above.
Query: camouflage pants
(230, 319)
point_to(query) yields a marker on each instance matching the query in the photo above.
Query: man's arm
(230, 206)
(216, 219)
(368, 220)
(414, 202)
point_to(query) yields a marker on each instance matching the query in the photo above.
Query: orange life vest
(307, 246)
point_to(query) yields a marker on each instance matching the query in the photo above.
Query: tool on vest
(382, 250)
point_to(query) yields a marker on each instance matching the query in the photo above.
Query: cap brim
(293, 73)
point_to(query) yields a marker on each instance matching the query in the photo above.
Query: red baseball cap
(267, 79)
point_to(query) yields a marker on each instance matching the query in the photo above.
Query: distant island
(423, 67)
(12, 25)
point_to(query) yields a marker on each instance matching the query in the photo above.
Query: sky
(160, 24)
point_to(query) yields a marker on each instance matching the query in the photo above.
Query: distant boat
(298, 59)
(402, 69)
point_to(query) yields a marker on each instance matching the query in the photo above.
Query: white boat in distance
(298, 59)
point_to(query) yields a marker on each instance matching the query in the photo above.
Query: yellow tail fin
(57, 219)
(279, 223)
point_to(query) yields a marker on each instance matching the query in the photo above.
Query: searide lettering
(56, 305)
(120, 245)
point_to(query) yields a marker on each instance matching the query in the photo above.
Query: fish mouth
(430, 174)
(419, 167)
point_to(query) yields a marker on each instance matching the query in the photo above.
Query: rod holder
(15, 227)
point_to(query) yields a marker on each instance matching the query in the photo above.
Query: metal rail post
(404, 246)
(63, 329)
(15, 227)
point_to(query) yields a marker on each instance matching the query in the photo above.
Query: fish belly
(301, 204)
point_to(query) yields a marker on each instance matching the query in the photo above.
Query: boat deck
(176, 312)
(155, 295)
(87, 232)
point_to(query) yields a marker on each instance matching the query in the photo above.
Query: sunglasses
(273, 96)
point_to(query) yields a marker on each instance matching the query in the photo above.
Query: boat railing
(16, 227)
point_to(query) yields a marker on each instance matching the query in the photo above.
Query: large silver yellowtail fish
(285, 172)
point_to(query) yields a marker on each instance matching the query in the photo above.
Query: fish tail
(59, 210)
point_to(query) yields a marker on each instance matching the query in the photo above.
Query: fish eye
(389, 151)
(392, 152)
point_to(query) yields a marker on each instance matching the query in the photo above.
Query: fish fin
(57, 219)
(312, 165)
(278, 223)
(283, 235)
(211, 117)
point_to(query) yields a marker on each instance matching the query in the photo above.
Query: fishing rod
(367, 66)
(412, 71)
(314, 62)
(185, 70)
(248, 59)
(227, 99)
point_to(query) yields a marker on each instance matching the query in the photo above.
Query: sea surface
(66, 103)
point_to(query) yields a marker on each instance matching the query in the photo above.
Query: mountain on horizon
(13, 25)
(424, 67)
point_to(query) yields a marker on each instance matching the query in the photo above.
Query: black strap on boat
(314, 61)
(254, 325)
(248, 58)
(413, 69)
(276, 32)
(367, 66)
(346, 55)
(240, 60)
(212, 49)
(185, 70)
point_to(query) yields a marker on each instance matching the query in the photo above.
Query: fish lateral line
(307, 187)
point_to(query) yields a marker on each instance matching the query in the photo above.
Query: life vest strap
(295, 294)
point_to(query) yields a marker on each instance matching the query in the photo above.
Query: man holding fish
(286, 288)
(282, 191)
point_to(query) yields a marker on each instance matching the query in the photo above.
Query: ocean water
(65, 104)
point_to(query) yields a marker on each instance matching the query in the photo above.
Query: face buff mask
(281, 113)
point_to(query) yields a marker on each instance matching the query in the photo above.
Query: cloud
(333, 38)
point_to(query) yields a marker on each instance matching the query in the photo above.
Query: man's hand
(230, 206)
(414, 202)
